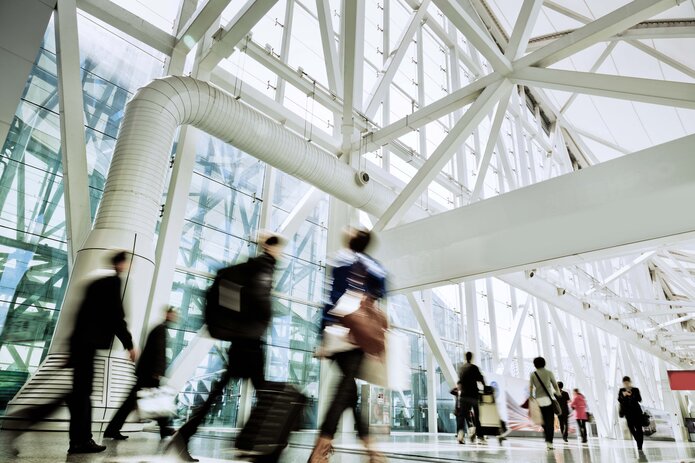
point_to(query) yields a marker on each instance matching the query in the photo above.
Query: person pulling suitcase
(238, 309)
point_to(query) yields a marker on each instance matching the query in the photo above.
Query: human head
(626, 381)
(575, 390)
(272, 244)
(539, 362)
(469, 357)
(120, 261)
(171, 315)
(359, 240)
(560, 384)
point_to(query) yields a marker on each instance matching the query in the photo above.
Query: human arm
(637, 395)
(118, 319)
(553, 383)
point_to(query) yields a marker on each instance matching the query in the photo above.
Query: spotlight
(561, 291)
(531, 273)
(586, 305)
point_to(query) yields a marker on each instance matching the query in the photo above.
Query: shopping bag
(391, 368)
(534, 412)
(157, 402)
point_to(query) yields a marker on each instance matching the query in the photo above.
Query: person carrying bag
(352, 327)
(549, 407)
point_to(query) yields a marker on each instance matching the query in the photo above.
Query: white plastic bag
(157, 402)
(392, 368)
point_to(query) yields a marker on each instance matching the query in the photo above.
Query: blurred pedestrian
(246, 356)
(471, 379)
(544, 388)
(352, 270)
(99, 318)
(629, 399)
(149, 371)
(579, 406)
(564, 398)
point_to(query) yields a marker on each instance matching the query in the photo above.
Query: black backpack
(224, 309)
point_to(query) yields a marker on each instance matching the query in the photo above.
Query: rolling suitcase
(488, 415)
(276, 414)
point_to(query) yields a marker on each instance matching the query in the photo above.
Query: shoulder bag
(556, 405)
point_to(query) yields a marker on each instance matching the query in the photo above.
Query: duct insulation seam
(135, 184)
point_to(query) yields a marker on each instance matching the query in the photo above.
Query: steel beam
(202, 19)
(440, 108)
(72, 141)
(434, 341)
(490, 146)
(129, 23)
(530, 226)
(595, 31)
(330, 54)
(434, 164)
(383, 83)
(528, 15)
(228, 37)
(478, 37)
(668, 93)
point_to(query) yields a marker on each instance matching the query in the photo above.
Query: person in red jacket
(579, 405)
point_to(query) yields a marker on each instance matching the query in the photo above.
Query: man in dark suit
(469, 377)
(150, 369)
(100, 318)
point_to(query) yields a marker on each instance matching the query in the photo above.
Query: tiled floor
(45, 447)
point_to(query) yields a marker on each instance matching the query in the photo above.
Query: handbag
(391, 368)
(157, 402)
(556, 405)
(367, 324)
(534, 412)
(646, 419)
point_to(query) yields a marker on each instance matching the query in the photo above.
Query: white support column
(521, 155)
(330, 55)
(472, 329)
(520, 314)
(73, 149)
(543, 334)
(431, 366)
(492, 316)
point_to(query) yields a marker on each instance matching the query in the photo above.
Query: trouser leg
(79, 402)
(582, 429)
(564, 427)
(124, 410)
(345, 395)
(476, 418)
(634, 424)
(191, 426)
(548, 423)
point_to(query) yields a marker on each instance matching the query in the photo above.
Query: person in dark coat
(629, 399)
(149, 371)
(469, 377)
(564, 399)
(100, 318)
(246, 353)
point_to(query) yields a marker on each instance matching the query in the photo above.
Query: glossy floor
(44, 447)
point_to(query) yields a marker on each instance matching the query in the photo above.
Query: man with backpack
(238, 310)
